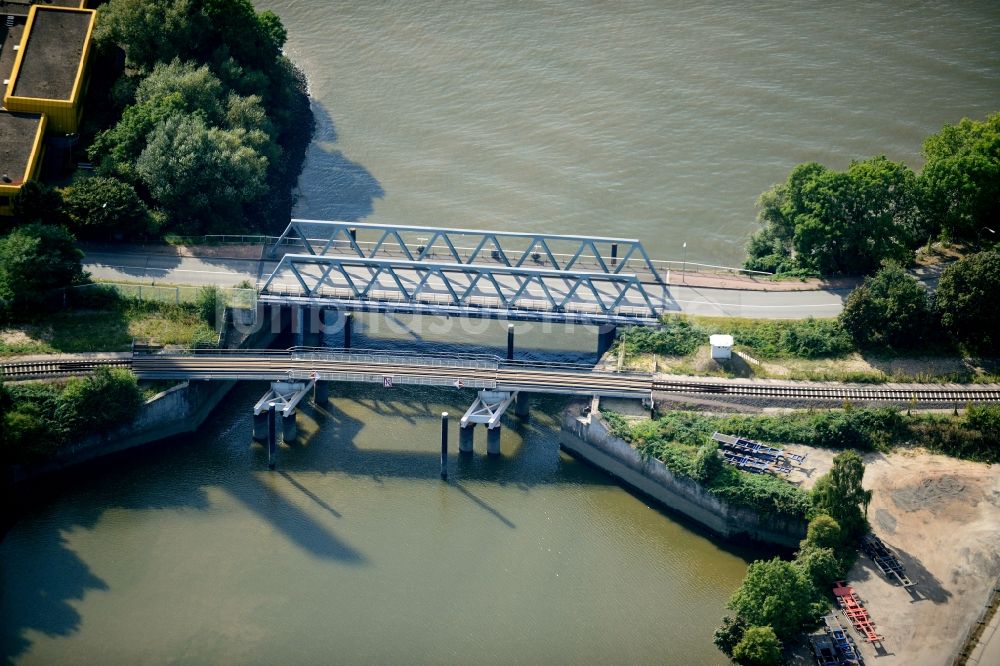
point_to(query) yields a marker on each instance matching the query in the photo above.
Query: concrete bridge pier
(260, 427)
(465, 438)
(272, 435)
(298, 326)
(322, 392)
(493, 441)
(606, 334)
(289, 427)
(522, 404)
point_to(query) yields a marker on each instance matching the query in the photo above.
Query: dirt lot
(942, 516)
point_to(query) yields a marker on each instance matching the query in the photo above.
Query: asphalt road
(224, 272)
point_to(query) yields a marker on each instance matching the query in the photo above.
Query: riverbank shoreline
(588, 438)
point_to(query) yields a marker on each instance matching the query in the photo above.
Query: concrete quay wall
(586, 436)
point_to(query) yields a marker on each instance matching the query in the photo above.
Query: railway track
(481, 371)
(896, 393)
(56, 368)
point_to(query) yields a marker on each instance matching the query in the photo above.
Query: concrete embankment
(586, 436)
(176, 411)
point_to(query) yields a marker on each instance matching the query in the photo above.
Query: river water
(656, 120)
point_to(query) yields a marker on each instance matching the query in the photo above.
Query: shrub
(888, 309)
(677, 337)
(758, 647)
(34, 260)
(808, 338)
(107, 399)
(707, 463)
(966, 299)
(209, 303)
(105, 208)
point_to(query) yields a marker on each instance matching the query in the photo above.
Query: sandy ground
(942, 516)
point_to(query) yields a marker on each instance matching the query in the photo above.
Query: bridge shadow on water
(44, 577)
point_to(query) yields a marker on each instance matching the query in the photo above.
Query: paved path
(711, 296)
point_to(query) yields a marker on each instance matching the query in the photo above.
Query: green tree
(34, 260)
(758, 647)
(117, 148)
(200, 175)
(151, 32)
(823, 532)
(107, 399)
(966, 299)
(960, 181)
(729, 634)
(39, 203)
(888, 309)
(838, 222)
(819, 565)
(839, 494)
(775, 593)
(199, 90)
(105, 208)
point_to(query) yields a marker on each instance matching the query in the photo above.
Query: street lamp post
(685, 264)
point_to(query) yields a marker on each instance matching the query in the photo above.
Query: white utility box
(722, 347)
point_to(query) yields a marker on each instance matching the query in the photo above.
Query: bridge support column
(606, 337)
(272, 435)
(465, 438)
(298, 326)
(522, 404)
(348, 325)
(444, 445)
(322, 394)
(260, 427)
(510, 342)
(289, 427)
(493, 441)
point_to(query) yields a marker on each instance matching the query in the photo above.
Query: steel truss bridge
(461, 272)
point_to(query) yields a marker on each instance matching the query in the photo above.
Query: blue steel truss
(470, 246)
(460, 288)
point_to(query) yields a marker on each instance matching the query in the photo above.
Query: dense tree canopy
(758, 647)
(961, 177)
(217, 120)
(106, 208)
(831, 222)
(967, 298)
(888, 309)
(775, 593)
(34, 260)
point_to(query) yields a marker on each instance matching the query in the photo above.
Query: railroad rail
(478, 371)
(896, 393)
(56, 368)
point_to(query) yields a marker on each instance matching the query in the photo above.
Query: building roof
(10, 37)
(52, 53)
(20, 133)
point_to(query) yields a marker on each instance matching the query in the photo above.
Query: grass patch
(109, 328)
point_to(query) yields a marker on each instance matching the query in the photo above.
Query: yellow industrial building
(44, 61)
